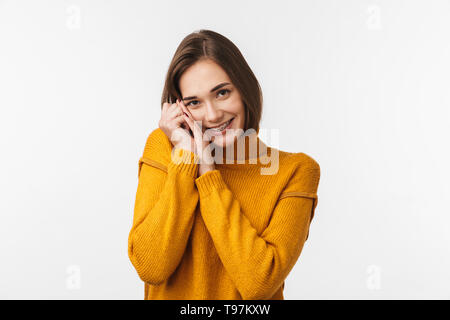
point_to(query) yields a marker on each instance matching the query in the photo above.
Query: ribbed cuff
(209, 181)
(184, 161)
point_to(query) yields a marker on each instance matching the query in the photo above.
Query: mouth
(221, 129)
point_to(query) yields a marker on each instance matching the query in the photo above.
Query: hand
(175, 127)
(201, 142)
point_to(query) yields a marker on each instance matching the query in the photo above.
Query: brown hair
(207, 44)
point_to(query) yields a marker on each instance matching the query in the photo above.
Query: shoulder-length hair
(207, 44)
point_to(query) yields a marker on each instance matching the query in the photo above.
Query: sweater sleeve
(166, 200)
(259, 264)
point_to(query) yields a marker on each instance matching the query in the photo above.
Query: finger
(188, 121)
(194, 125)
(177, 111)
(165, 106)
(172, 107)
(185, 109)
(186, 112)
(197, 126)
(179, 121)
(196, 131)
(200, 136)
(190, 126)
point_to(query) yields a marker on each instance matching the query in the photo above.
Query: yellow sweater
(233, 233)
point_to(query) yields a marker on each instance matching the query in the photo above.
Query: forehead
(201, 77)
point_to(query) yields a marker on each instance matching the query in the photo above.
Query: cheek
(197, 114)
(235, 106)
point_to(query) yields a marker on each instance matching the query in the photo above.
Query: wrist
(204, 168)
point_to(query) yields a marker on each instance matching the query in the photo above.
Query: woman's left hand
(201, 145)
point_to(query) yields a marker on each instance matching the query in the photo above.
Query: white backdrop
(361, 86)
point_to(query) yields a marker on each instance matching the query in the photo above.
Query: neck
(244, 148)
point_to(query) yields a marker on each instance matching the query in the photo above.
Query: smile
(221, 129)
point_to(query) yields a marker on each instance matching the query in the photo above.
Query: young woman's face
(211, 98)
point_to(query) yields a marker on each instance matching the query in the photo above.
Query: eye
(190, 105)
(224, 90)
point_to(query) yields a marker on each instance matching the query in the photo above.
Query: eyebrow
(212, 90)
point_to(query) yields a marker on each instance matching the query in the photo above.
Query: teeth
(222, 127)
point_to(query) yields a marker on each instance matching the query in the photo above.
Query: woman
(213, 225)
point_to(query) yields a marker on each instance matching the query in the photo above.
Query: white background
(360, 86)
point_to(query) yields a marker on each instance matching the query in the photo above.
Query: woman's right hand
(173, 124)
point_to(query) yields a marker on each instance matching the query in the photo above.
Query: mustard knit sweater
(231, 234)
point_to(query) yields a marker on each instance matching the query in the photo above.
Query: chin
(224, 141)
(221, 142)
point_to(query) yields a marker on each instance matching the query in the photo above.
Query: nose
(212, 116)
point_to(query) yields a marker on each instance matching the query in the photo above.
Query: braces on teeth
(221, 128)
